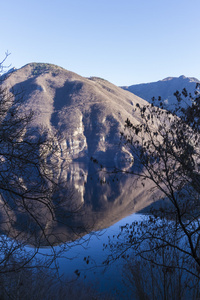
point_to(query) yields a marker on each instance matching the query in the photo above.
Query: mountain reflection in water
(93, 200)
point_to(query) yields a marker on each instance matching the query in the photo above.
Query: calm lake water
(94, 274)
(109, 201)
(105, 202)
(93, 206)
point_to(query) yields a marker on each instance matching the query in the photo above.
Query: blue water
(95, 274)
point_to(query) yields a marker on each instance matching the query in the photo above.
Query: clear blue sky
(125, 42)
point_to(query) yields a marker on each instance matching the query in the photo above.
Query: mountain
(164, 88)
(89, 113)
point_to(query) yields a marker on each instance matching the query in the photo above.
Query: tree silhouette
(29, 183)
(166, 150)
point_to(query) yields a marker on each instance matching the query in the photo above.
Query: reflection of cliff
(92, 201)
(76, 176)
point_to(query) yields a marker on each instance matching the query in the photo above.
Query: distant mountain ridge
(164, 88)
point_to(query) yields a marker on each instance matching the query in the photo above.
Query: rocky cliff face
(88, 112)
